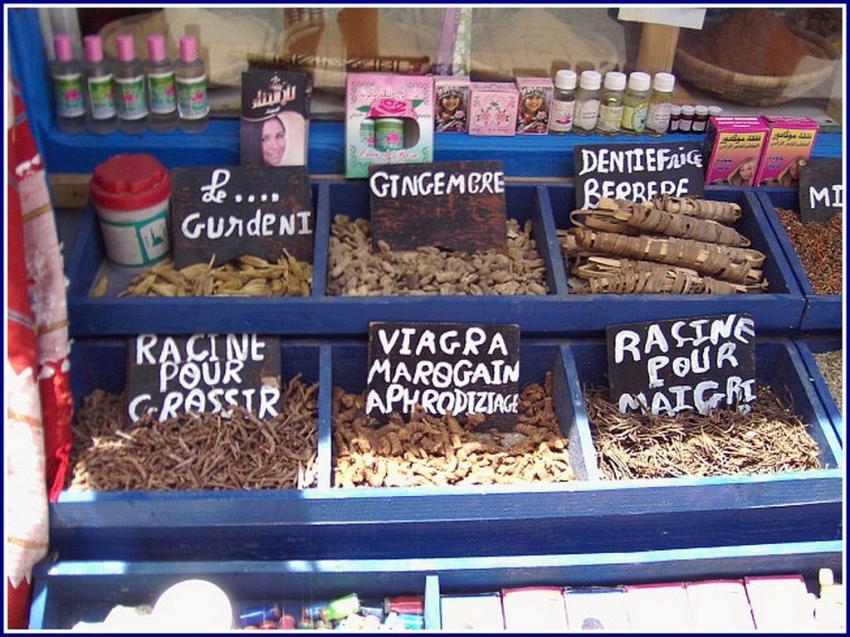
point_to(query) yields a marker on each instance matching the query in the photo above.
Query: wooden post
(657, 48)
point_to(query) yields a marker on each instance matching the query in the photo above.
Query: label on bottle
(634, 117)
(698, 126)
(586, 115)
(658, 117)
(102, 97)
(131, 97)
(162, 92)
(68, 91)
(561, 116)
(192, 97)
(610, 118)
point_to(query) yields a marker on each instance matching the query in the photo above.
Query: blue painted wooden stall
(816, 344)
(823, 312)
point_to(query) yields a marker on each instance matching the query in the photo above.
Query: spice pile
(196, 452)
(246, 276)
(426, 450)
(669, 245)
(749, 41)
(818, 245)
(829, 364)
(768, 439)
(354, 270)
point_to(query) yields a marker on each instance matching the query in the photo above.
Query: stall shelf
(816, 344)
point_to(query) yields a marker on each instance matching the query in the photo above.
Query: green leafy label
(68, 91)
(192, 97)
(163, 92)
(131, 97)
(102, 97)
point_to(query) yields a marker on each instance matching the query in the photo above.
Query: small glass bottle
(587, 103)
(675, 114)
(686, 121)
(700, 119)
(611, 104)
(101, 88)
(192, 102)
(563, 102)
(636, 103)
(161, 90)
(714, 111)
(130, 82)
(67, 76)
(659, 113)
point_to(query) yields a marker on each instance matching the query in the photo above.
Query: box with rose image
(389, 119)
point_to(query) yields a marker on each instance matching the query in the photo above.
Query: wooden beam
(70, 190)
(657, 48)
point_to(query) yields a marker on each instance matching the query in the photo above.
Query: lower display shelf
(818, 345)
(586, 515)
(67, 592)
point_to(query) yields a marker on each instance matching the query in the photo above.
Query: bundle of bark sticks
(673, 245)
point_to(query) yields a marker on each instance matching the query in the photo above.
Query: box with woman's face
(451, 101)
(789, 140)
(733, 146)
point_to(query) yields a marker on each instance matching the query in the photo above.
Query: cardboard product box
(733, 147)
(275, 118)
(720, 606)
(597, 608)
(451, 104)
(659, 607)
(481, 613)
(389, 119)
(493, 108)
(789, 140)
(536, 608)
(780, 603)
(535, 97)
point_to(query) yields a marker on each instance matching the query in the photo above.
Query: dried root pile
(669, 245)
(246, 276)
(196, 452)
(355, 270)
(425, 450)
(769, 439)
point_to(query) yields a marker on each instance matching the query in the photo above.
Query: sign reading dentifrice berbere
(638, 172)
(171, 375)
(444, 367)
(227, 212)
(691, 364)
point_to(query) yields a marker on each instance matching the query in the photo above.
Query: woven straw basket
(761, 90)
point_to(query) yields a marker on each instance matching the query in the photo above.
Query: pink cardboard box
(780, 603)
(451, 103)
(535, 96)
(659, 607)
(720, 606)
(372, 97)
(790, 139)
(734, 146)
(492, 108)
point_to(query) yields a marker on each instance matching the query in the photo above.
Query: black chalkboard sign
(821, 188)
(697, 364)
(456, 205)
(228, 212)
(444, 367)
(637, 172)
(172, 375)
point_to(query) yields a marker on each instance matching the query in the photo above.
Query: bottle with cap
(162, 93)
(68, 93)
(659, 112)
(130, 82)
(611, 103)
(563, 102)
(636, 103)
(192, 104)
(700, 118)
(675, 114)
(587, 102)
(101, 87)
(686, 121)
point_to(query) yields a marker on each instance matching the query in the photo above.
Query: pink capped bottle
(162, 92)
(191, 78)
(102, 115)
(130, 81)
(68, 93)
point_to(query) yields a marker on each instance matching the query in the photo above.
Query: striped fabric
(37, 398)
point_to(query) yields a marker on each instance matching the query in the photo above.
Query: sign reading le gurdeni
(821, 188)
(228, 212)
(691, 364)
(171, 375)
(456, 205)
(637, 172)
(444, 367)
